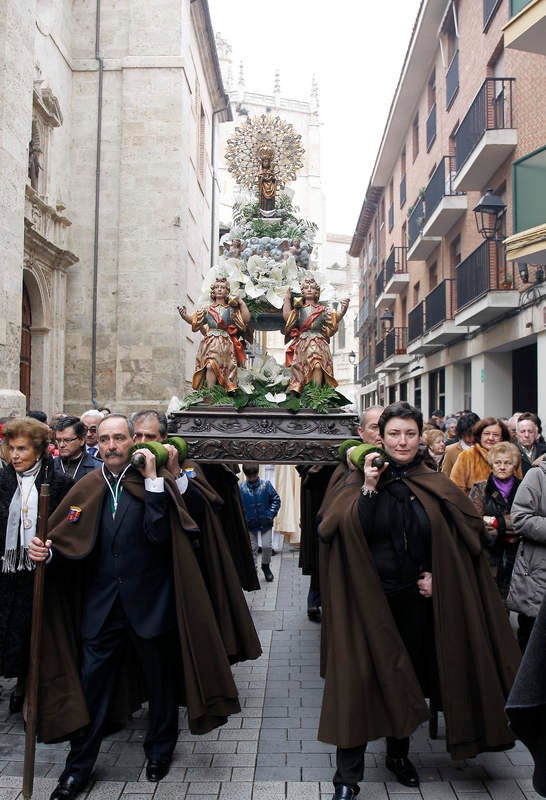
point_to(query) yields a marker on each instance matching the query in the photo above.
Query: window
(392, 394)
(489, 9)
(431, 103)
(391, 205)
(404, 390)
(416, 289)
(415, 136)
(403, 177)
(437, 389)
(417, 392)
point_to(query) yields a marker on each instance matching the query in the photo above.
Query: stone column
(17, 66)
(492, 384)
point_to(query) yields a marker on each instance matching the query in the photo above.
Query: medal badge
(74, 513)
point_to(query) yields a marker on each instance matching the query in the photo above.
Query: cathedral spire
(314, 96)
(277, 89)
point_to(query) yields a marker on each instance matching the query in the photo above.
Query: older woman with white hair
(30, 466)
(493, 499)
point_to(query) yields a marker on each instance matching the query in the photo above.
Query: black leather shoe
(314, 614)
(267, 572)
(156, 770)
(16, 702)
(344, 792)
(66, 789)
(405, 772)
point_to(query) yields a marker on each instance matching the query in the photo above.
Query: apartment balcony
(363, 317)
(381, 290)
(391, 351)
(364, 369)
(486, 136)
(526, 30)
(422, 336)
(420, 246)
(396, 271)
(483, 291)
(440, 308)
(443, 204)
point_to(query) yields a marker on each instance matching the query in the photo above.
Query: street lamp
(489, 213)
(523, 270)
(352, 358)
(387, 319)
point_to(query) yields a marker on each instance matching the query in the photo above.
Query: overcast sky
(355, 48)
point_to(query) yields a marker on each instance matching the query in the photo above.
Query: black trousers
(101, 661)
(413, 617)
(350, 760)
(525, 627)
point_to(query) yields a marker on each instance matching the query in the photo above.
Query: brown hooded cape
(370, 688)
(206, 683)
(228, 601)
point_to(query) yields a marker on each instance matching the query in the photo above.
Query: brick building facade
(466, 330)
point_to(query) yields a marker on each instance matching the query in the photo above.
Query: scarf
(18, 536)
(504, 487)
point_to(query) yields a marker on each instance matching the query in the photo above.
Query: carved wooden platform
(266, 435)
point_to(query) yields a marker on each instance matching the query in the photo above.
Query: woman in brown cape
(409, 610)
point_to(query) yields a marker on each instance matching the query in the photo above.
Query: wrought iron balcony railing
(416, 322)
(416, 220)
(396, 342)
(491, 109)
(396, 262)
(364, 369)
(484, 270)
(440, 304)
(440, 185)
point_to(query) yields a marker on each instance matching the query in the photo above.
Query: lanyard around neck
(115, 490)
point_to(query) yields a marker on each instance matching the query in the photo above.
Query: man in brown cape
(371, 688)
(126, 593)
(212, 551)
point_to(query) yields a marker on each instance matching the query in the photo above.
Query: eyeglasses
(91, 429)
(60, 442)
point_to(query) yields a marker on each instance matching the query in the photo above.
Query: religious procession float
(244, 405)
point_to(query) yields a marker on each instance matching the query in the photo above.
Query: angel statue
(220, 351)
(310, 327)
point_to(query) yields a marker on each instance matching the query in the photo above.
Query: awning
(528, 246)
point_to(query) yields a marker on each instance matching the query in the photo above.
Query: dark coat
(371, 689)
(205, 681)
(228, 601)
(88, 464)
(16, 588)
(539, 448)
(526, 704)
(261, 503)
(225, 483)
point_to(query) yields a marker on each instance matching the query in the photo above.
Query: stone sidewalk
(270, 751)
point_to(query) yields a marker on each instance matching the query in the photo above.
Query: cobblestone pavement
(270, 751)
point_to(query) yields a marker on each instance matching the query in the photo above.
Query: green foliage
(213, 396)
(321, 398)
(317, 398)
(247, 222)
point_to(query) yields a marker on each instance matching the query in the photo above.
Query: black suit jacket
(132, 560)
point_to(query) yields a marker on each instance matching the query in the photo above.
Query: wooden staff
(31, 697)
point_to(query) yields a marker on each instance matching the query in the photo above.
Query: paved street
(270, 751)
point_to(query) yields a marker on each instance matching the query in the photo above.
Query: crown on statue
(266, 151)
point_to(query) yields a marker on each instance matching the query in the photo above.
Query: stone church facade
(107, 113)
